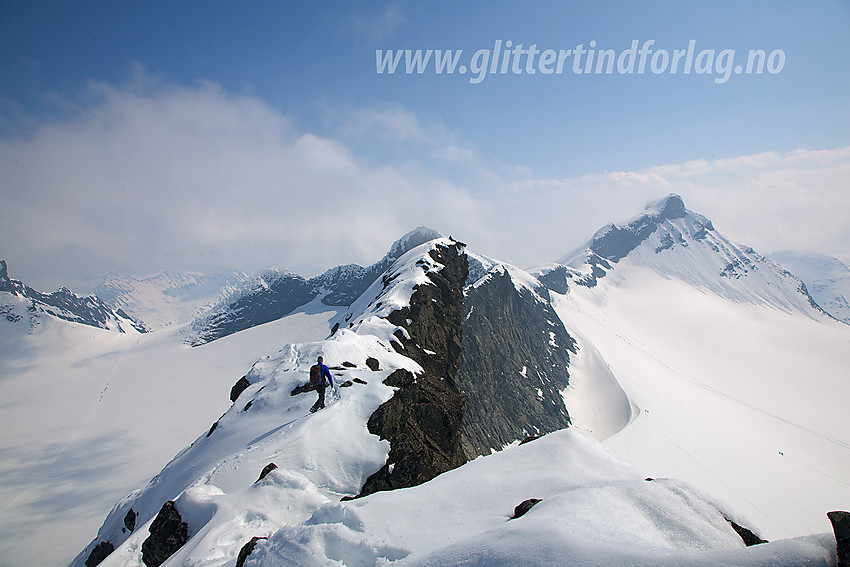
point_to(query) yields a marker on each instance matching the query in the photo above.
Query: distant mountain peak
(615, 241)
(276, 293)
(670, 207)
(674, 241)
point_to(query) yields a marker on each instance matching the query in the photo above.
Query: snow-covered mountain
(169, 297)
(277, 292)
(735, 376)
(677, 243)
(23, 306)
(639, 358)
(440, 330)
(827, 279)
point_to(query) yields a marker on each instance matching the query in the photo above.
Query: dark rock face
(615, 242)
(246, 550)
(279, 297)
(373, 364)
(747, 535)
(130, 520)
(266, 470)
(516, 354)
(240, 386)
(841, 526)
(524, 507)
(168, 534)
(556, 279)
(99, 553)
(422, 421)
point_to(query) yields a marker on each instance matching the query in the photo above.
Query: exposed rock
(347, 364)
(279, 295)
(529, 439)
(213, 428)
(168, 534)
(130, 520)
(614, 242)
(373, 364)
(555, 279)
(841, 526)
(360, 381)
(524, 507)
(100, 552)
(516, 355)
(246, 550)
(240, 386)
(422, 420)
(400, 378)
(346, 384)
(266, 470)
(301, 389)
(747, 535)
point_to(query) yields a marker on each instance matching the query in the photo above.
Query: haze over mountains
(687, 355)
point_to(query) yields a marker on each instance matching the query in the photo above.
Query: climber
(320, 379)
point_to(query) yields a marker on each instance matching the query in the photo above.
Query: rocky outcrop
(130, 520)
(422, 421)
(240, 386)
(168, 534)
(841, 526)
(524, 507)
(100, 552)
(266, 470)
(747, 535)
(246, 550)
(516, 355)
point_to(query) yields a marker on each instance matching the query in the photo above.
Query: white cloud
(154, 176)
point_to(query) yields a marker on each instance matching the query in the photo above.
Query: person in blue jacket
(320, 379)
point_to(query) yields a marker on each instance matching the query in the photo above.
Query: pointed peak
(670, 207)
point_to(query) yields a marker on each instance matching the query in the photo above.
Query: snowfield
(745, 401)
(88, 415)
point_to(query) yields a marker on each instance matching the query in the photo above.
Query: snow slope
(827, 279)
(595, 509)
(745, 402)
(89, 415)
(738, 376)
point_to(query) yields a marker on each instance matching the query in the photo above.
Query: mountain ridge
(62, 304)
(263, 298)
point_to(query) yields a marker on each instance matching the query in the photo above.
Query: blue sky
(192, 135)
